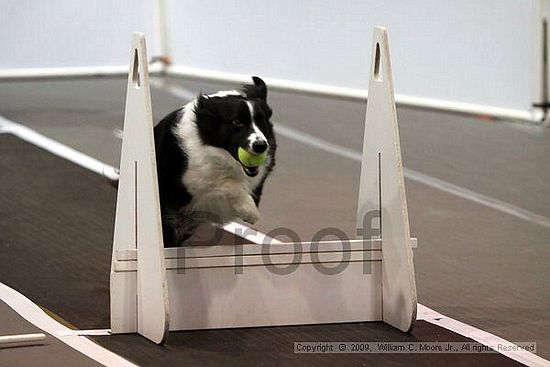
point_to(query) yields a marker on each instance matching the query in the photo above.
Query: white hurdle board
(137, 221)
(154, 290)
(382, 190)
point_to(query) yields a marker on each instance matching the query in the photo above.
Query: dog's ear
(256, 91)
(262, 88)
(205, 106)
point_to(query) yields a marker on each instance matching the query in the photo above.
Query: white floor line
(355, 155)
(32, 313)
(429, 315)
(57, 148)
(433, 182)
(480, 336)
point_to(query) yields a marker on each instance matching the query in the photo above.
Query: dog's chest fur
(214, 179)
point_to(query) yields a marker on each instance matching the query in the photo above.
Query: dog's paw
(251, 219)
(249, 213)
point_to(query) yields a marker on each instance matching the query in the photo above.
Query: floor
(477, 190)
(71, 210)
(49, 351)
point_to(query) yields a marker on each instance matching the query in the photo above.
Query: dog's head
(232, 119)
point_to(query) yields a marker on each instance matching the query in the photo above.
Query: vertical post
(161, 23)
(138, 222)
(542, 66)
(382, 190)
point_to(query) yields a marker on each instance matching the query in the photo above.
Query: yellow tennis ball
(251, 160)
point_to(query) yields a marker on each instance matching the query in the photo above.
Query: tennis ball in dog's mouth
(250, 159)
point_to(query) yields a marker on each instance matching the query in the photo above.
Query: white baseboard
(67, 72)
(275, 84)
(355, 94)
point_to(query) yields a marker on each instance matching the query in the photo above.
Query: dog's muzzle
(251, 171)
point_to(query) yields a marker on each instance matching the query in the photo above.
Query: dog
(201, 178)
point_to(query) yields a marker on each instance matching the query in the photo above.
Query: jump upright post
(139, 302)
(382, 190)
(154, 290)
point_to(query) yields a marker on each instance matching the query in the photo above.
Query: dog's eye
(237, 123)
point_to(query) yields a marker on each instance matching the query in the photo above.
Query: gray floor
(72, 210)
(479, 265)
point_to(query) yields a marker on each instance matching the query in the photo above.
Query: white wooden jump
(154, 290)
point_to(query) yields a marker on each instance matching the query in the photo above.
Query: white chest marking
(213, 177)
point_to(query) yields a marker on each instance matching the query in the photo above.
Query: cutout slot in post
(378, 65)
(136, 78)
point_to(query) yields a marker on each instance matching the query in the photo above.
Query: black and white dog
(200, 176)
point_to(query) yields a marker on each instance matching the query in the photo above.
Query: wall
(471, 51)
(57, 33)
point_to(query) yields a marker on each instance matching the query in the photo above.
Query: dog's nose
(259, 146)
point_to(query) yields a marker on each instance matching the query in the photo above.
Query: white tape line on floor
(434, 317)
(480, 336)
(57, 148)
(433, 182)
(34, 314)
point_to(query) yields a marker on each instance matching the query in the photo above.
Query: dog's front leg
(247, 209)
(241, 202)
